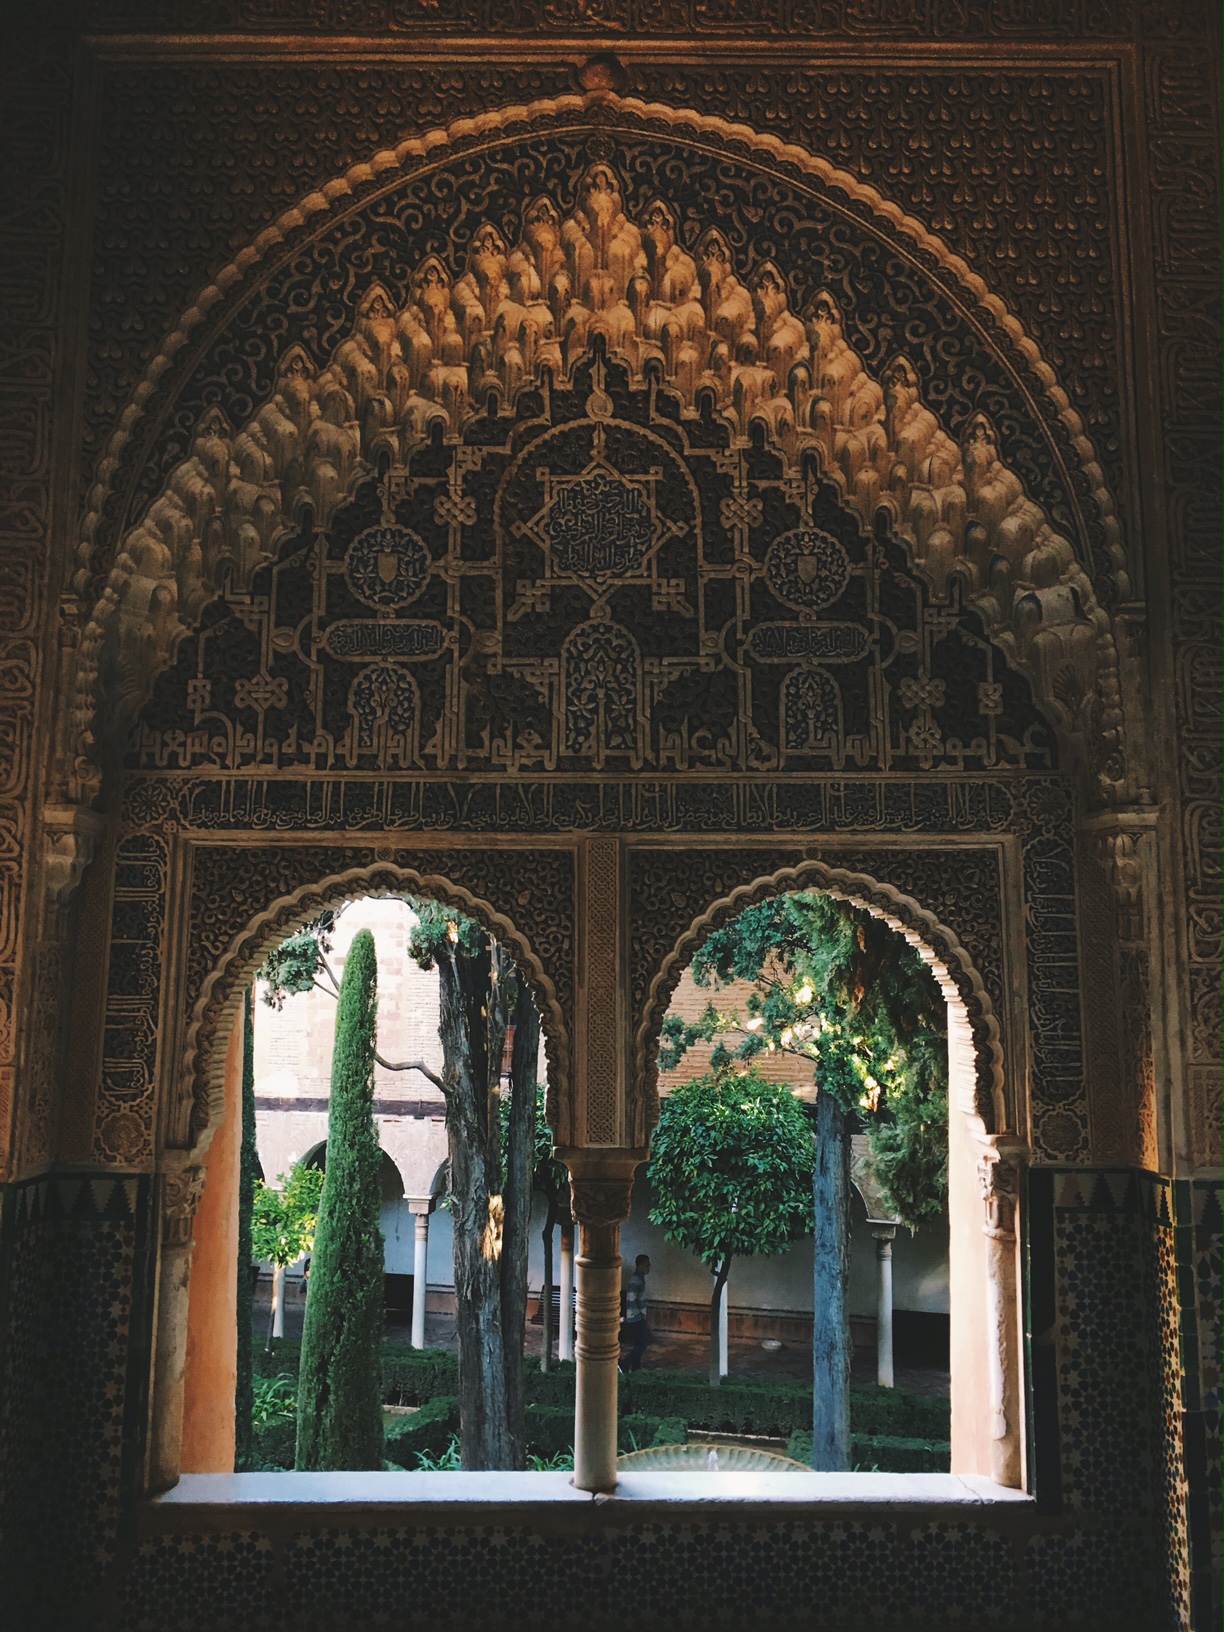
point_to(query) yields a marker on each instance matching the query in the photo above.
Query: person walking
(636, 1333)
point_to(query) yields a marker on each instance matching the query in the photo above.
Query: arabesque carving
(721, 338)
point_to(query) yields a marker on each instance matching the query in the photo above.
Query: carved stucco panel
(589, 272)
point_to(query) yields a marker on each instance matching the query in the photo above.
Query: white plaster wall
(784, 1282)
(285, 1137)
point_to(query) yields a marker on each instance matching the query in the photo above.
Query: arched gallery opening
(958, 1346)
(673, 550)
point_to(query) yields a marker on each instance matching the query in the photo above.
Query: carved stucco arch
(1060, 633)
(201, 1082)
(935, 943)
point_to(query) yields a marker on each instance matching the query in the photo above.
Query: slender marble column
(601, 1183)
(181, 1188)
(420, 1268)
(884, 1306)
(278, 1300)
(565, 1336)
(598, 1354)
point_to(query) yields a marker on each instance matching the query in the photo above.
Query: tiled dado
(605, 1566)
(1198, 1256)
(1124, 1290)
(75, 1331)
(76, 1261)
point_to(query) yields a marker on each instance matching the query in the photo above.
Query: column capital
(182, 1187)
(601, 1182)
(999, 1168)
(421, 1205)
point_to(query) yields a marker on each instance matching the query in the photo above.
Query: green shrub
(882, 1453)
(284, 1356)
(772, 1409)
(555, 1387)
(274, 1399)
(776, 1410)
(427, 1432)
(550, 1431)
(671, 1431)
(413, 1376)
(897, 1415)
(637, 1431)
(272, 1444)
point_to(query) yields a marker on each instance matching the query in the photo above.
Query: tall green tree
(491, 1137)
(248, 1173)
(839, 988)
(731, 1173)
(340, 1423)
(491, 1150)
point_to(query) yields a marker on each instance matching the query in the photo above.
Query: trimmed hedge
(273, 1445)
(776, 1410)
(889, 1412)
(636, 1432)
(773, 1410)
(555, 1387)
(428, 1431)
(887, 1453)
(414, 1376)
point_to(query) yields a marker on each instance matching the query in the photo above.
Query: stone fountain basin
(695, 1457)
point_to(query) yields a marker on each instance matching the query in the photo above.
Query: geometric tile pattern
(76, 1318)
(77, 1291)
(603, 1569)
(1198, 1270)
(1115, 1334)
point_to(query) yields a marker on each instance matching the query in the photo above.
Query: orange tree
(840, 989)
(731, 1173)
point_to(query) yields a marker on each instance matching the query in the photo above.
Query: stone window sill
(205, 1493)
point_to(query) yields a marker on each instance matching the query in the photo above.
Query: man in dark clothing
(636, 1332)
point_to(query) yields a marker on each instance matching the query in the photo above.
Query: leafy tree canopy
(731, 1166)
(294, 965)
(549, 1176)
(836, 986)
(437, 924)
(283, 1221)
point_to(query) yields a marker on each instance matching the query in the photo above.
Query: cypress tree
(340, 1423)
(248, 1171)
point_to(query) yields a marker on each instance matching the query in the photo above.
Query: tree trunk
(520, 1158)
(720, 1280)
(476, 1209)
(831, 1352)
(546, 1292)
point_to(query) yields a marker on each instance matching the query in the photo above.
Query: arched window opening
(860, 1278)
(428, 1171)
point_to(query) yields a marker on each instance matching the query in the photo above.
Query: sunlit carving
(518, 315)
